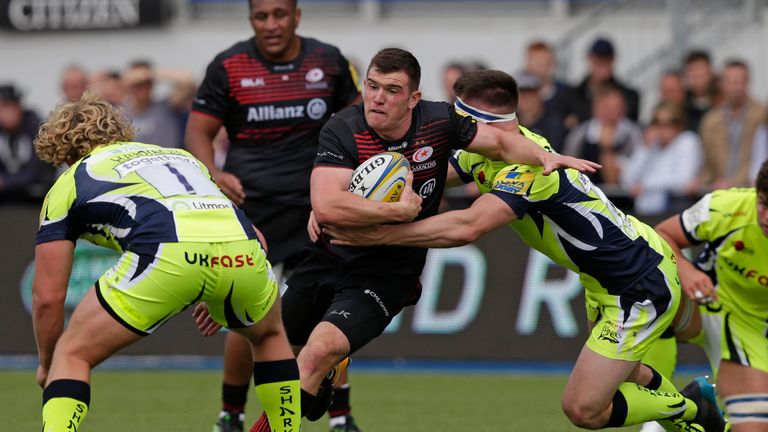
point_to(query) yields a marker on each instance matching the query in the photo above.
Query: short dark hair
(493, 87)
(390, 60)
(697, 55)
(762, 180)
(250, 4)
(737, 63)
(539, 45)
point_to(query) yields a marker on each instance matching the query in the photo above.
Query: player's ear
(414, 99)
(297, 18)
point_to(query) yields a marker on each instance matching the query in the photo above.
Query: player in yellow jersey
(628, 271)
(730, 277)
(182, 242)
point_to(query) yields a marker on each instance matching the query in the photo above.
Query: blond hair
(74, 129)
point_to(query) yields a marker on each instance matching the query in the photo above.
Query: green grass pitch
(165, 401)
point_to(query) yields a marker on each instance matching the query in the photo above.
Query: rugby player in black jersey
(340, 298)
(272, 93)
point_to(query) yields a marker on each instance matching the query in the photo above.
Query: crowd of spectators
(158, 118)
(706, 131)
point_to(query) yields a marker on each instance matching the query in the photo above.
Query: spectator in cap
(23, 177)
(600, 62)
(158, 122)
(535, 115)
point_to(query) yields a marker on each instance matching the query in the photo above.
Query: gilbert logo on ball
(381, 178)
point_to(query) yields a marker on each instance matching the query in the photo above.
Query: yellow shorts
(626, 325)
(143, 291)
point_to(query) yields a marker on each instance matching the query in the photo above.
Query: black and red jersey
(436, 129)
(273, 113)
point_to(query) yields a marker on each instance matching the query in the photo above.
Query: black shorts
(284, 227)
(360, 303)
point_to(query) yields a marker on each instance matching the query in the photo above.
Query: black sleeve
(346, 89)
(515, 202)
(213, 94)
(464, 127)
(336, 146)
(463, 176)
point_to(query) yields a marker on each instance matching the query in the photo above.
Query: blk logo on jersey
(252, 82)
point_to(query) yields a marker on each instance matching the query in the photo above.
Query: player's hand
(554, 161)
(206, 324)
(410, 202)
(363, 236)
(230, 185)
(696, 284)
(313, 228)
(42, 376)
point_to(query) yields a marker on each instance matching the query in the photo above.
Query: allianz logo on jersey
(314, 109)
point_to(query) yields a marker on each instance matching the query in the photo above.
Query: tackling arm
(513, 147)
(454, 228)
(53, 265)
(333, 204)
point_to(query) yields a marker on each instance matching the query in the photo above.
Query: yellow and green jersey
(130, 196)
(735, 251)
(569, 219)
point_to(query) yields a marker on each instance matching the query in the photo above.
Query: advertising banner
(494, 300)
(66, 15)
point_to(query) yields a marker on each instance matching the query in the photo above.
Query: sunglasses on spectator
(665, 122)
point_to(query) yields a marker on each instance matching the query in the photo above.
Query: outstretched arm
(454, 228)
(512, 147)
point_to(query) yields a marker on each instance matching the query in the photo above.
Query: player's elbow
(45, 300)
(326, 215)
(467, 234)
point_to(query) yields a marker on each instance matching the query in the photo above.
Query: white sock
(338, 421)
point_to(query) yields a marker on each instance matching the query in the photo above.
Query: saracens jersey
(735, 251)
(133, 197)
(570, 220)
(436, 129)
(273, 113)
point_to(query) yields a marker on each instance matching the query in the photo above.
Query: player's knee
(319, 355)
(263, 331)
(748, 408)
(581, 415)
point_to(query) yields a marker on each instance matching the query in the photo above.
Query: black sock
(234, 397)
(340, 404)
(619, 411)
(74, 389)
(655, 380)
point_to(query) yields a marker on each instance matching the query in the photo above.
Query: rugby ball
(381, 178)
